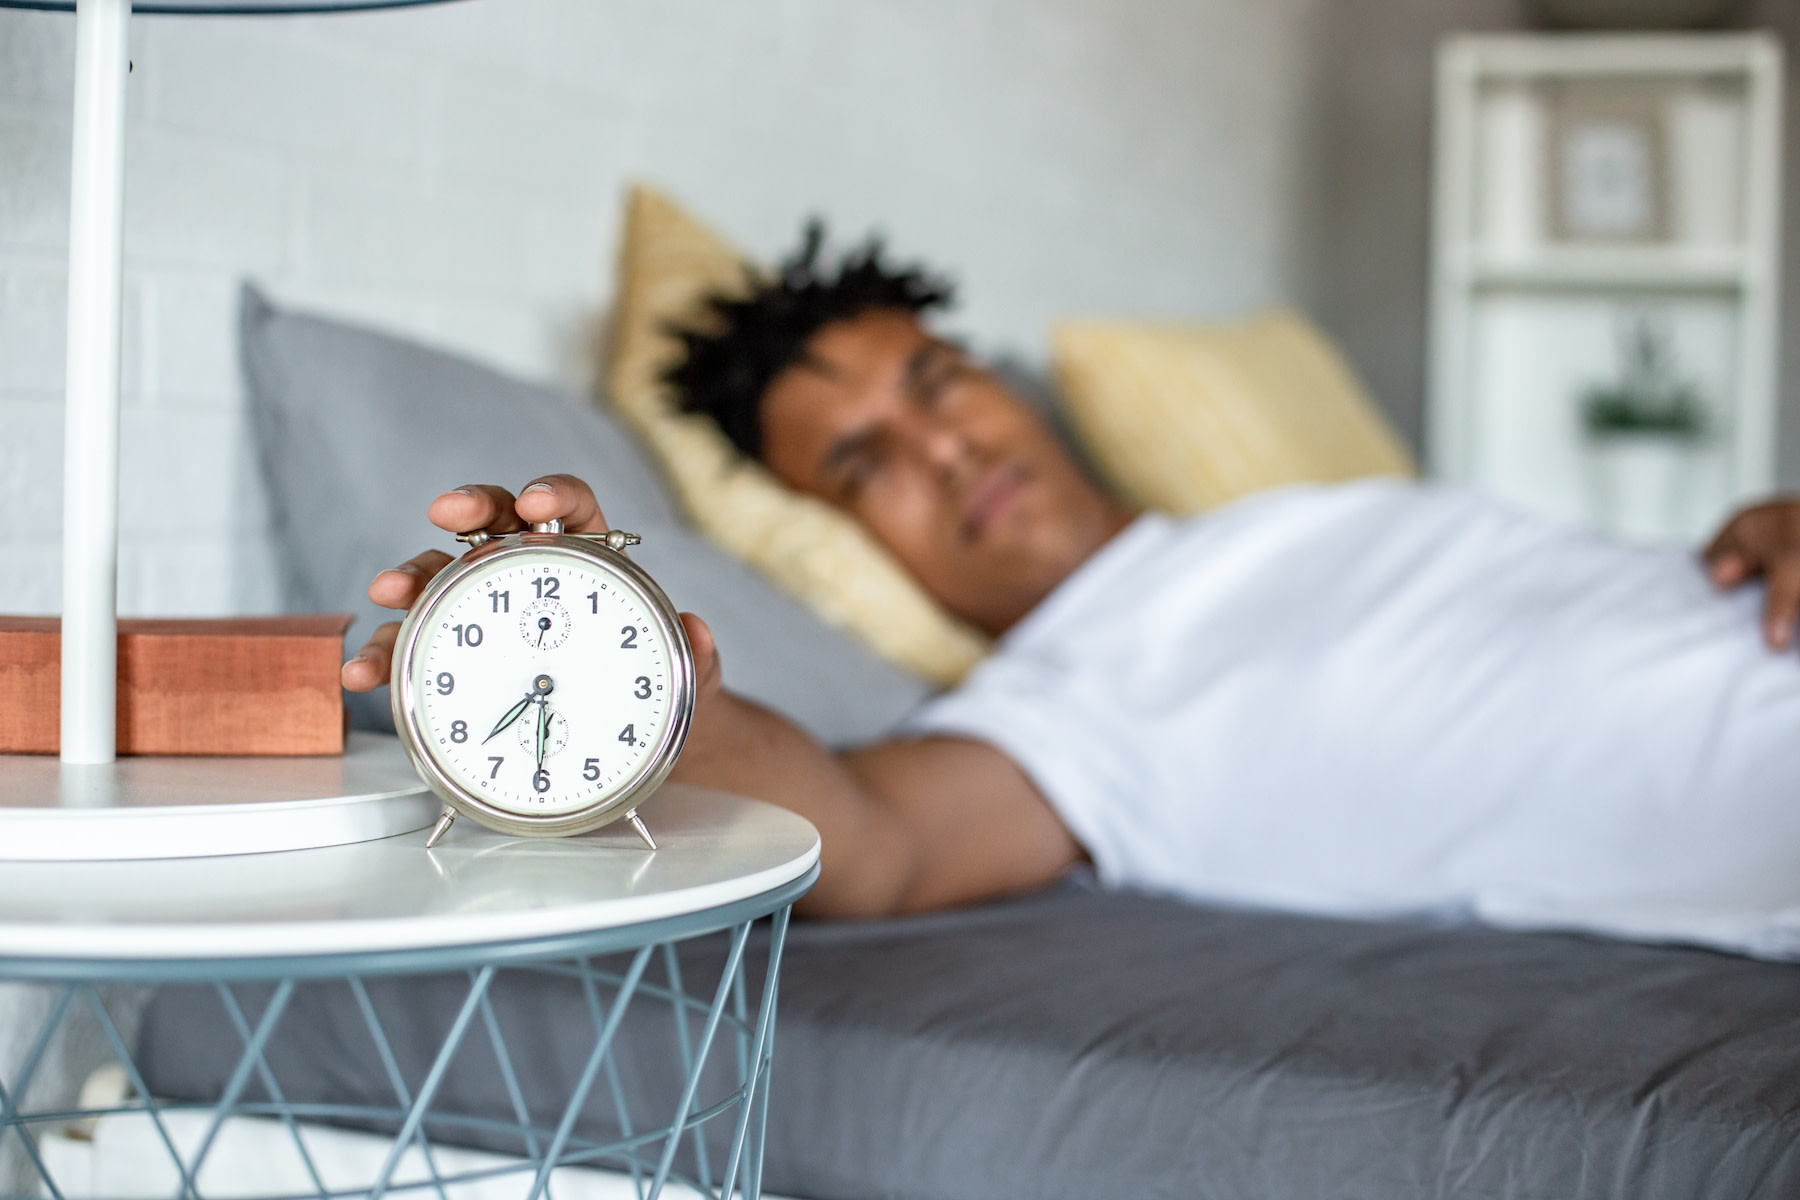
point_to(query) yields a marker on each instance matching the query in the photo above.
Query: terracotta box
(237, 685)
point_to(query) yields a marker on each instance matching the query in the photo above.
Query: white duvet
(1381, 698)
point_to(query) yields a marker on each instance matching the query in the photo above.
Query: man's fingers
(1724, 542)
(707, 670)
(398, 587)
(475, 506)
(368, 668)
(548, 498)
(1728, 570)
(562, 498)
(1781, 608)
(1729, 557)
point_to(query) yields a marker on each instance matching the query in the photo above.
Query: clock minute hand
(512, 714)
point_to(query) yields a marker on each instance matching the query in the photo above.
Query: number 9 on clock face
(543, 684)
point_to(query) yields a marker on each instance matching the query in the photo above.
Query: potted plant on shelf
(1644, 434)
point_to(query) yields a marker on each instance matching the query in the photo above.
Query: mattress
(1082, 1044)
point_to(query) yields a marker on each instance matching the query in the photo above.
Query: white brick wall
(455, 172)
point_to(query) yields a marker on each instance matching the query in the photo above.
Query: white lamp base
(147, 808)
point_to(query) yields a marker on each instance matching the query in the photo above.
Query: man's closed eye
(932, 386)
(862, 469)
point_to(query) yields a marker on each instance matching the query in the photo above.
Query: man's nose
(945, 448)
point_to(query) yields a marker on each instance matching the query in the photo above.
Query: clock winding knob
(615, 539)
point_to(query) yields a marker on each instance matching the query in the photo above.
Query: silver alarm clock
(543, 684)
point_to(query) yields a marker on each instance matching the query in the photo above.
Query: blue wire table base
(647, 1154)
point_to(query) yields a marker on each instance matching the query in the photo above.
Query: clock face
(543, 683)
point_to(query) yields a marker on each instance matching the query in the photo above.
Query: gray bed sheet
(1090, 1044)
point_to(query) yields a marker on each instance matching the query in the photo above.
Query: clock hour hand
(512, 714)
(543, 730)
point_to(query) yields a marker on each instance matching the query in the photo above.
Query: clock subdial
(544, 624)
(556, 733)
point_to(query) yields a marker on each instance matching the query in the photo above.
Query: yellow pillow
(667, 262)
(1180, 418)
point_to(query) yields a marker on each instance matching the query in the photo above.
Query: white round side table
(477, 903)
(191, 806)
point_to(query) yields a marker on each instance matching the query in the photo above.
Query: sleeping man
(1372, 698)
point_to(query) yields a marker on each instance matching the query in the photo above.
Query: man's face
(945, 466)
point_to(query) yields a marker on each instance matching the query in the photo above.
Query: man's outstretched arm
(906, 826)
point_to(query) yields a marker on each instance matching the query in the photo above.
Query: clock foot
(441, 828)
(637, 823)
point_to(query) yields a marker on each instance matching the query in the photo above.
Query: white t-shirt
(1382, 698)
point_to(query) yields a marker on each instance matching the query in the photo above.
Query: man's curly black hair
(742, 342)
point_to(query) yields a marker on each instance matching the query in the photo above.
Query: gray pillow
(358, 430)
(1039, 393)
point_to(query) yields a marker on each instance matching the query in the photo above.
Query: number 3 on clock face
(544, 684)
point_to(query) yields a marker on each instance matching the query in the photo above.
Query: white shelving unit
(1588, 187)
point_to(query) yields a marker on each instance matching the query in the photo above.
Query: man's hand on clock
(484, 506)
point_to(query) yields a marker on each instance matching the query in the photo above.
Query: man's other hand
(494, 509)
(1764, 542)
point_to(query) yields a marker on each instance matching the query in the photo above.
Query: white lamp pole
(90, 579)
(373, 791)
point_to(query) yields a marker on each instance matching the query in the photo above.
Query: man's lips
(990, 496)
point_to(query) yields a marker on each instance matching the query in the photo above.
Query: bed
(1082, 1043)
(1075, 1043)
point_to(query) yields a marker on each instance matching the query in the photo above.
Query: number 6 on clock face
(543, 684)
